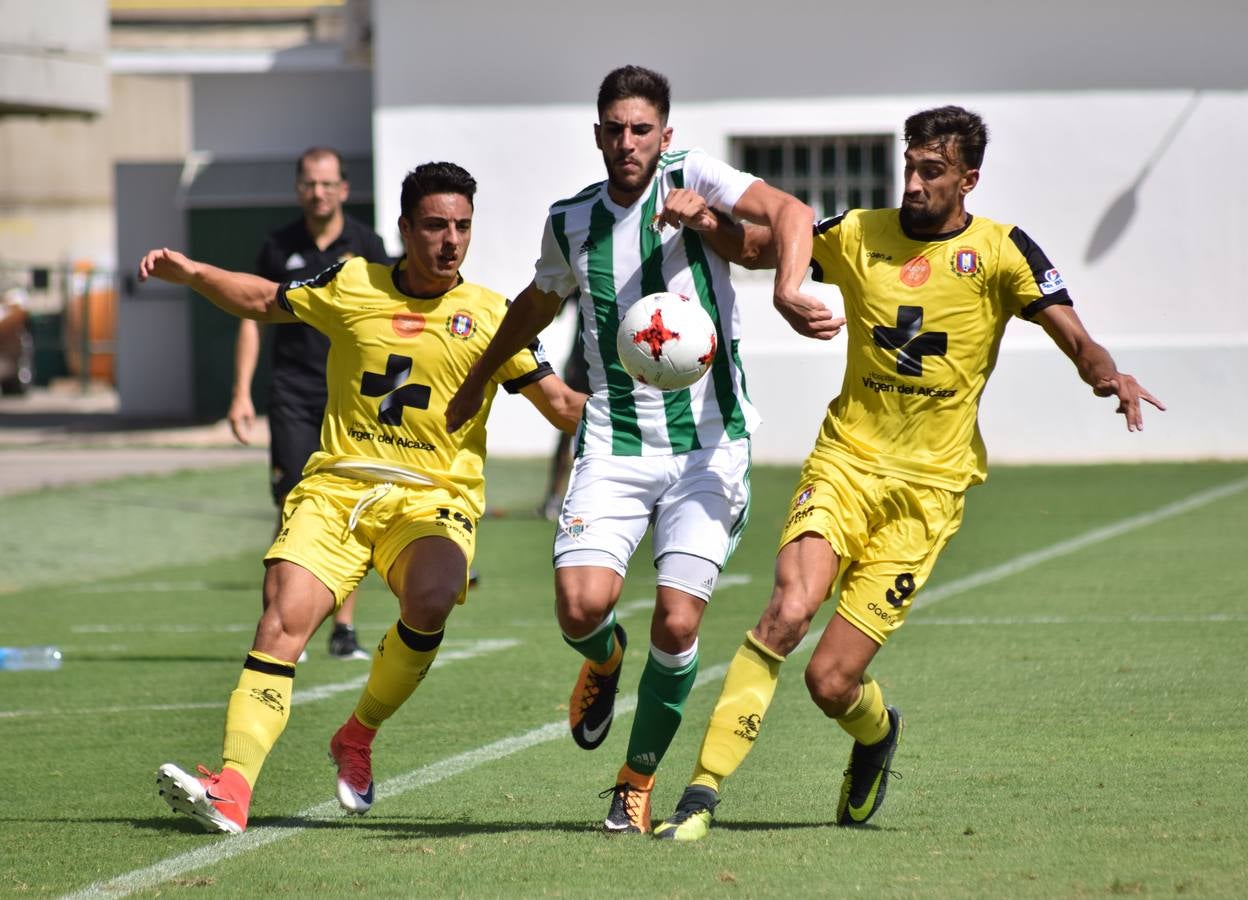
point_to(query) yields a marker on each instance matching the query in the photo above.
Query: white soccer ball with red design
(666, 340)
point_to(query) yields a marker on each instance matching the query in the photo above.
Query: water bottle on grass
(20, 659)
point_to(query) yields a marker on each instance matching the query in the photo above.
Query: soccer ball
(666, 340)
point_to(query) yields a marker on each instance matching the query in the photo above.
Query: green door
(231, 239)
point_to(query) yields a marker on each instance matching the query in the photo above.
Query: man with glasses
(322, 237)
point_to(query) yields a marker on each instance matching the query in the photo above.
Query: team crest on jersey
(461, 325)
(575, 527)
(915, 271)
(965, 261)
(805, 495)
(1052, 282)
(407, 325)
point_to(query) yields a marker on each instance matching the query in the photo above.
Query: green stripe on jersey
(725, 392)
(682, 431)
(584, 194)
(670, 157)
(559, 227)
(736, 358)
(625, 430)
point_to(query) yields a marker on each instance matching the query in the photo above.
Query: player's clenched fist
(167, 265)
(685, 207)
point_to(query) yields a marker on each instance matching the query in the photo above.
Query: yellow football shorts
(888, 533)
(318, 531)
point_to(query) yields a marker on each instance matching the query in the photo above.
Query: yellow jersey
(395, 360)
(925, 319)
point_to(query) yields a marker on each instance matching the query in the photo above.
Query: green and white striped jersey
(613, 257)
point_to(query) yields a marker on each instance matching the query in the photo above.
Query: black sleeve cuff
(282, 302)
(1061, 298)
(516, 384)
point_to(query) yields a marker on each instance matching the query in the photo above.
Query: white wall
(1078, 114)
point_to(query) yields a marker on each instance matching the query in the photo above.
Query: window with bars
(832, 173)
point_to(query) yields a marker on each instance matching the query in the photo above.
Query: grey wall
(153, 318)
(281, 113)
(485, 52)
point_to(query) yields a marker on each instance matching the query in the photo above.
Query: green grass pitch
(1073, 681)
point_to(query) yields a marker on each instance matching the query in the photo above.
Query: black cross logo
(397, 395)
(911, 346)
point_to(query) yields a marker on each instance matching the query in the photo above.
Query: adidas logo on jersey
(586, 246)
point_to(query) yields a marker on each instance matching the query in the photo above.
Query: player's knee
(674, 630)
(832, 689)
(581, 605)
(427, 607)
(785, 621)
(579, 614)
(275, 629)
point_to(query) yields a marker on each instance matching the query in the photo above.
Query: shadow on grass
(403, 828)
(788, 826)
(390, 827)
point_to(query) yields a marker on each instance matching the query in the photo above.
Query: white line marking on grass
(161, 587)
(1082, 620)
(201, 628)
(226, 848)
(632, 607)
(469, 650)
(1081, 542)
(162, 628)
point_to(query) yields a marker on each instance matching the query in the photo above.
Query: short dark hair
(317, 153)
(634, 81)
(939, 125)
(435, 178)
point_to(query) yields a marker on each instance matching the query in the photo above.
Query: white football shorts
(698, 503)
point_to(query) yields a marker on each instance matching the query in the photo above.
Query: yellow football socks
(400, 664)
(748, 688)
(867, 720)
(257, 713)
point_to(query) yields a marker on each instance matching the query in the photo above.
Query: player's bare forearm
(246, 354)
(1095, 365)
(743, 243)
(528, 314)
(559, 404)
(1093, 362)
(237, 293)
(242, 412)
(793, 228)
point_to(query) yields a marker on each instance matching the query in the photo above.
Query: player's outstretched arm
(792, 225)
(238, 293)
(528, 314)
(743, 243)
(559, 404)
(1096, 367)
